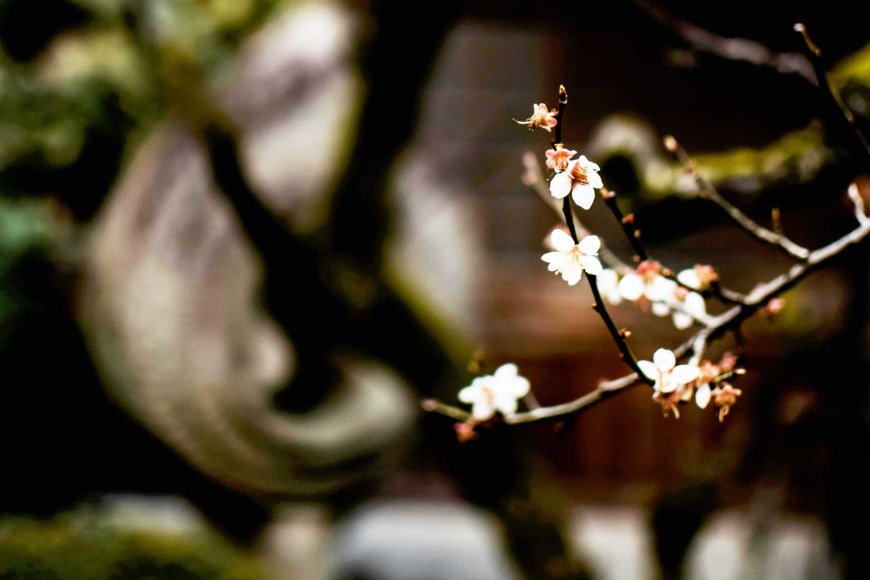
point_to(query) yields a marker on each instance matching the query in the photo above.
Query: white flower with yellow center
(496, 392)
(570, 259)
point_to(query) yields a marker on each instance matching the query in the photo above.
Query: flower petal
(591, 265)
(571, 273)
(594, 180)
(560, 185)
(660, 309)
(664, 360)
(470, 393)
(661, 290)
(682, 321)
(608, 285)
(631, 286)
(555, 260)
(506, 371)
(689, 278)
(507, 405)
(590, 245)
(583, 194)
(561, 241)
(483, 410)
(516, 387)
(702, 396)
(667, 385)
(589, 165)
(683, 374)
(694, 305)
(649, 369)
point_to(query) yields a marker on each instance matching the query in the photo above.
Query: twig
(560, 113)
(434, 406)
(629, 228)
(830, 94)
(708, 191)
(568, 214)
(737, 49)
(725, 295)
(618, 336)
(631, 232)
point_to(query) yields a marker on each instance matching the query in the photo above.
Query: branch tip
(801, 29)
(428, 405)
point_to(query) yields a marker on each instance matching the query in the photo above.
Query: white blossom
(632, 286)
(580, 179)
(496, 392)
(570, 259)
(667, 300)
(608, 286)
(703, 395)
(667, 374)
(689, 278)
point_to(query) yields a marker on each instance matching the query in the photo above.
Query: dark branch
(839, 109)
(736, 49)
(627, 223)
(560, 112)
(618, 336)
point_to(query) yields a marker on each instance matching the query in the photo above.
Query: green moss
(853, 68)
(85, 546)
(797, 156)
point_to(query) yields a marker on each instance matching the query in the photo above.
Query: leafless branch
(737, 49)
(829, 92)
(708, 191)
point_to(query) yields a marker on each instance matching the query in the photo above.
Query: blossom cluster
(675, 384)
(648, 287)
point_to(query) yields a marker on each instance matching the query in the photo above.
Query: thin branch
(618, 336)
(560, 113)
(725, 295)
(434, 406)
(629, 228)
(736, 49)
(830, 94)
(708, 191)
(568, 214)
(575, 407)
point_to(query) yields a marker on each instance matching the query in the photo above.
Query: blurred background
(241, 239)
